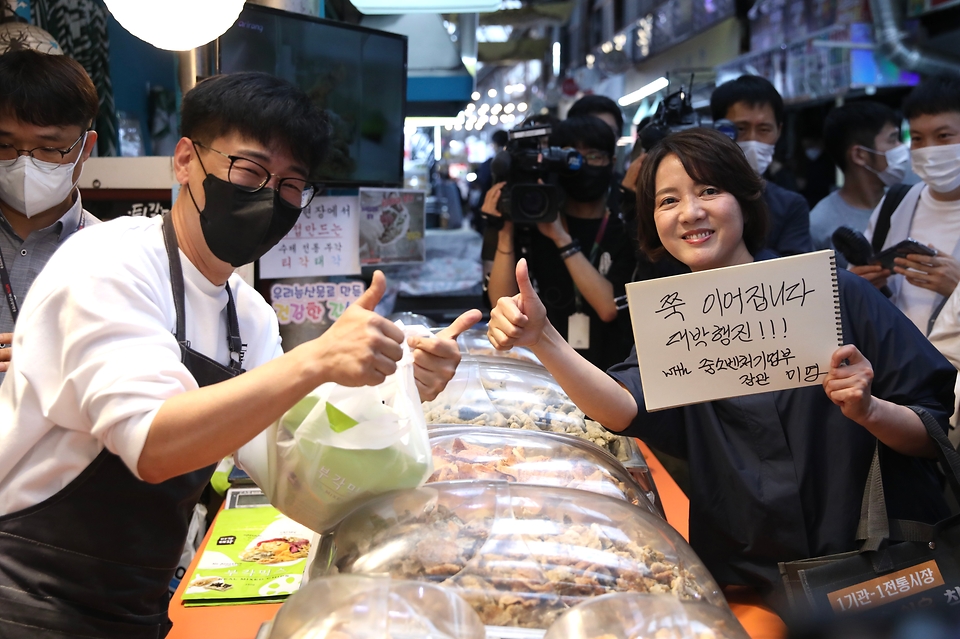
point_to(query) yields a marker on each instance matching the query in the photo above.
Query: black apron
(96, 558)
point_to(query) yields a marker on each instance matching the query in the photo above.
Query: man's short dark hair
(933, 96)
(585, 131)
(595, 104)
(752, 89)
(710, 158)
(855, 123)
(46, 90)
(500, 138)
(259, 106)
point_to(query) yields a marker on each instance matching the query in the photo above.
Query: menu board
(324, 241)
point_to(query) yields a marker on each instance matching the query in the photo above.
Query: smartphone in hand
(907, 247)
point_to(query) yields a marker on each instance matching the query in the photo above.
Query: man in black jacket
(756, 109)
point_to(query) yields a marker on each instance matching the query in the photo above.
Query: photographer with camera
(551, 207)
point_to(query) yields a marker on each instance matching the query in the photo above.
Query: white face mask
(938, 166)
(759, 154)
(898, 161)
(32, 186)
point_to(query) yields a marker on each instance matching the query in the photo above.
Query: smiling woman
(775, 476)
(691, 187)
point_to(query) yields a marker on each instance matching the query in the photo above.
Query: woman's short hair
(709, 158)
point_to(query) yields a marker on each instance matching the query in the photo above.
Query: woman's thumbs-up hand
(518, 320)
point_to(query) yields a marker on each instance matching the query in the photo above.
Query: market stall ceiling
(389, 7)
(554, 14)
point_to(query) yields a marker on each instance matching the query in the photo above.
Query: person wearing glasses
(142, 360)
(581, 262)
(45, 138)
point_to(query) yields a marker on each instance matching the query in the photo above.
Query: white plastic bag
(340, 445)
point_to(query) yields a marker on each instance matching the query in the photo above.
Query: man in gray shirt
(863, 140)
(47, 105)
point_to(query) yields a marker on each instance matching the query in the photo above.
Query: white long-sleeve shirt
(94, 355)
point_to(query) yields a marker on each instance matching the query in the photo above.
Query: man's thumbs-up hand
(361, 348)
(518, 320)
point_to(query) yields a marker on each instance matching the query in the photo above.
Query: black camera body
(676, 113)
(532, 172)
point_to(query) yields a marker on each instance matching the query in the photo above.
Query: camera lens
(533, 203)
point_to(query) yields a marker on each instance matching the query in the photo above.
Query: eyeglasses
(46, 154)
(252, 177)
(596, 158)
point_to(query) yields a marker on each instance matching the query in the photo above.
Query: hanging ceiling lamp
(176, 25)
(16, 33)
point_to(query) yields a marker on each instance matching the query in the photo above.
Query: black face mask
(239, 226)
(589, 184)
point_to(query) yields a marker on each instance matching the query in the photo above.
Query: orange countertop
(243, 621)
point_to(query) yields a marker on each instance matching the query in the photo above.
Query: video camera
(532, 171)
(675, 113)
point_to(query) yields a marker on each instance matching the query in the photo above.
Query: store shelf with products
(827, 64)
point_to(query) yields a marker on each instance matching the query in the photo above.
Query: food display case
(513, 394)
(474, 342)
(637, 616)
(519, 554)
(375, 607)
(529, 457)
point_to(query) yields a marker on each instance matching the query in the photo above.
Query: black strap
(874, 527)
(234, 343)
(176, 278)
(891, 201)
(8, 290)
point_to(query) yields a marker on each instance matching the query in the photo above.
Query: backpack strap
(891, 201)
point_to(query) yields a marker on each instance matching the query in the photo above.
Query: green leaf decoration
(339, 420)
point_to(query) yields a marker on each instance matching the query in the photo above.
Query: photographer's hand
(502, 282)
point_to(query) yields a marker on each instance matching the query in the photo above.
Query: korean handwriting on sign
(727, 334)
(671, 303)
(147, 209)
(759, 297)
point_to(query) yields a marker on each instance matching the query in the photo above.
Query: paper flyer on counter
(392, 226)
(254, 555)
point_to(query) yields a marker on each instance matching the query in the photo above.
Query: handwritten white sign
(734, 331)
(324, 241)
(299, 303)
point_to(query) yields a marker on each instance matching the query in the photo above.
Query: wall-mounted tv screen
(358, 75)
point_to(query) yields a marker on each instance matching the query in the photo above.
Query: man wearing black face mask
(581, 262)
(142, 360)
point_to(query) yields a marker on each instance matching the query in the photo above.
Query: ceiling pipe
(890, 41)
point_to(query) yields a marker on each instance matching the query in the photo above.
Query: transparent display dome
(474, 341)
(513, 394)
(639, 616)
(529, 457)
(375, 607)
(519, 554)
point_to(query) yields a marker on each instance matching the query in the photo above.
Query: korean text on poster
(299, 303)
(734, 331)
(392, 226)
(324, 241)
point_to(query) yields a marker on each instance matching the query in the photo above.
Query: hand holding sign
(849, 387)
(518, 320)
(435, 358)
(361, 348)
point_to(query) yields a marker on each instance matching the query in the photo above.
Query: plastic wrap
(519, 554)
(633, 616)
(371, 607)
(529, 457)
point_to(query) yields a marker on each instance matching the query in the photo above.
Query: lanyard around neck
(594, 251)
(8, 287)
